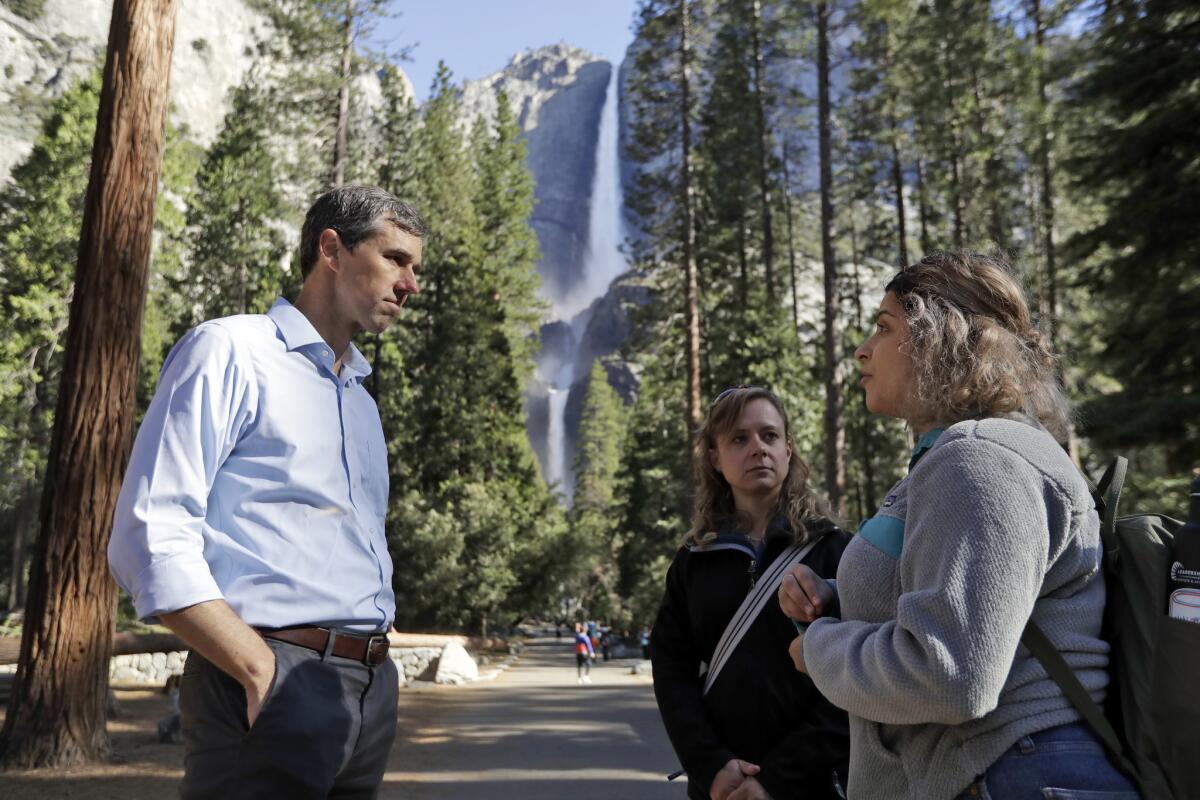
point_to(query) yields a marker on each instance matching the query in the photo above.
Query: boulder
(456, 665)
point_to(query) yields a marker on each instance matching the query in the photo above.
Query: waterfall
(603, 262)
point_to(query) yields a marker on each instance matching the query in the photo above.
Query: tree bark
(923, 207)
(898, 188)
(342, 141)
(791, 239)
(57, 711)
(1046, 174)
(687, 199)
(835, 431)
(764, 148)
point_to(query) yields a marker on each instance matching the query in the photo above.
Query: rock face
(557, 93)
(214, 40)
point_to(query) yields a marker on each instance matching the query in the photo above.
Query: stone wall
(153, 669)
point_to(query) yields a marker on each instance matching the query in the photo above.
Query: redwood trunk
(57, 711)
(687, 198)
(835, 431)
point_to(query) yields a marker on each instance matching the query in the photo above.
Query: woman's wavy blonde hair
(975, 349)
(714, 509)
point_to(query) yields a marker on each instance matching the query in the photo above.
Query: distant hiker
(742, 720)
(583, 654)
(251, 520)
(921, 638)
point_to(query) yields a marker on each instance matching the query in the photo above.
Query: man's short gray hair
(354, 213)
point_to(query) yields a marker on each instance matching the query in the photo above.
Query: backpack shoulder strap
(1052, 661)
(748, 611)
(1108, 498)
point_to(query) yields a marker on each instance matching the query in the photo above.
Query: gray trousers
(324, 731)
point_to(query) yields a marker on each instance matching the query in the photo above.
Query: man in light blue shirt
(251, 520)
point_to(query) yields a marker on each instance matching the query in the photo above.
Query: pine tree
(237, 252)
(39, 240)
(1136, 160)
(594, 531)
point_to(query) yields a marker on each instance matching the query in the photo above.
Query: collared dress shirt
(259, 476)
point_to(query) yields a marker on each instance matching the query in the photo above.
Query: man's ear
(329, 245)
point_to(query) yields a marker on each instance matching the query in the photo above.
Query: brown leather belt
(369, 649)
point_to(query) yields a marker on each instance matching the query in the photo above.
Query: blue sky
(479, 37)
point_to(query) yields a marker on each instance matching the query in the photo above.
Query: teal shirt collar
(923, 444)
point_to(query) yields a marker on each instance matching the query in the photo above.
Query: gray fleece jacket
(992, 524)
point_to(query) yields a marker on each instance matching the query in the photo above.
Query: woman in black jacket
(762, 730)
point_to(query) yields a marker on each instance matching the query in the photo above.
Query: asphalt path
(534, 732)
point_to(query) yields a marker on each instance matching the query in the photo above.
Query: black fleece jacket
(760, 709)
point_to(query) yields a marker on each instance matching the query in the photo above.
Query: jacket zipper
(753, 572)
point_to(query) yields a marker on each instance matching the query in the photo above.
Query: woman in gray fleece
(919, 637)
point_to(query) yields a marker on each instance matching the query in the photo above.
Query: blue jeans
(1063, 763)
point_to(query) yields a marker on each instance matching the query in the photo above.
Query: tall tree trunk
(764, 148)
(866, 445)
(898, 188)
(791, 239)
(24, 519)
(57, 711)
(991, 166)
(923, 207)
(743, 264)
(956, 178)
(341, 145)
(687, 199)
(835, 431)
(1046, 175)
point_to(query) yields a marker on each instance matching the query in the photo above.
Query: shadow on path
(534, 733)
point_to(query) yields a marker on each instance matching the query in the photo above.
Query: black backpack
(1151, 720)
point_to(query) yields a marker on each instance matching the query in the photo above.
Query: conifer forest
(788, 156)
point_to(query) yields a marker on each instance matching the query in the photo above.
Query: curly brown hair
(976, 351)
(714, 508)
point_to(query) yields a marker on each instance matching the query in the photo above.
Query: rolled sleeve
(173, 583)
(204, 399)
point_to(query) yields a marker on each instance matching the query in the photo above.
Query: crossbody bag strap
(1052, 661)
(751, 606)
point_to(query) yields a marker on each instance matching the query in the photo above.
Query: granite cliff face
(557, 93)
(214, 40)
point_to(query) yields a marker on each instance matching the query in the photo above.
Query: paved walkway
(534, 733)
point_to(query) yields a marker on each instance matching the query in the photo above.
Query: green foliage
(40, 216)
(588, 573)
(1138, 161)
(236, 216)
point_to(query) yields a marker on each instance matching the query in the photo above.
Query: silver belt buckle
(377, 649)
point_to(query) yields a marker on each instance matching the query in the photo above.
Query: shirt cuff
(173, 583)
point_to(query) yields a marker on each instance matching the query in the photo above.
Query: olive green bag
(1151, 720)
